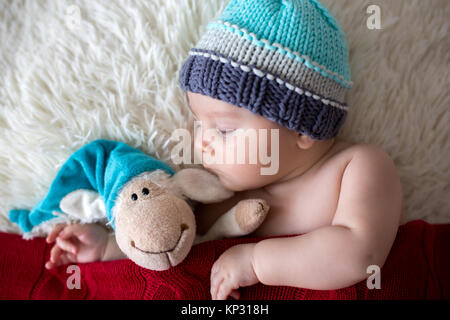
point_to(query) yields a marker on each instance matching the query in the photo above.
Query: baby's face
(224, 120)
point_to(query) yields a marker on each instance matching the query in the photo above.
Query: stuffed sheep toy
(148, 205)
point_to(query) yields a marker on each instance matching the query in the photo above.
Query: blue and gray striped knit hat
(286, 60)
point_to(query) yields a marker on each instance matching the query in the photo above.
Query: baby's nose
(206, 145)
(202, 143)
(203, 147)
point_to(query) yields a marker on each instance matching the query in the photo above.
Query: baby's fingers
(72, 230)
(59, 257)
(55, 232)
(66, 245)
(55, 253)
(224, 290)
(64, 258)
(67, 258)
(216, 281)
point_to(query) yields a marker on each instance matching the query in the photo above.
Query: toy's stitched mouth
(184, 227)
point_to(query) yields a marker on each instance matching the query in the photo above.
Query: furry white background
(115, 76)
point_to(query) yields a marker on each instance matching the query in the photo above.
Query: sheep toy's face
(154, 228)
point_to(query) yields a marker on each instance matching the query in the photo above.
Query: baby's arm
(332, 257)
(112, 250)
(361, 234)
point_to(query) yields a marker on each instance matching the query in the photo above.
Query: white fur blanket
(114, 75)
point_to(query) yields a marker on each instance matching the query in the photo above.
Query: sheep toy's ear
(201, 185)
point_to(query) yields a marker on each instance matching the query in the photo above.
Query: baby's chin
(230, 185)
(235, 184)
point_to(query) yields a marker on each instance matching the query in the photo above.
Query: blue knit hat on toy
(286, 60)
(103, 166)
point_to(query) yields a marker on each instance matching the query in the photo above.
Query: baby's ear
(201, 185)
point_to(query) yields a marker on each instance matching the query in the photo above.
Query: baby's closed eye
(225, 131)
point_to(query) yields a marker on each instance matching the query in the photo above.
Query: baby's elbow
(369, 261)
(360, 268)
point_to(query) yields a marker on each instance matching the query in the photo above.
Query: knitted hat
(286, 60)
(103, 166)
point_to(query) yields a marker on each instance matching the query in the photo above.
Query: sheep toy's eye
(134, 197)
(145, 191)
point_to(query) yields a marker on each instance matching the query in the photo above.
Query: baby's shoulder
(365, 156)
(350, 151)
(368, 153)
(373, 171)
(369, 162)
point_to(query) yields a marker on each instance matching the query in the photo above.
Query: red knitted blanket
(418, 267)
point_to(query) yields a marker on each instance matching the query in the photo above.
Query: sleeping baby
(265, 67)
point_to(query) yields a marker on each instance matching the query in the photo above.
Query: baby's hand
(232, 270)
(76, 243)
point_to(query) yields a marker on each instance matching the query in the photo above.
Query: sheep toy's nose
(154, 223)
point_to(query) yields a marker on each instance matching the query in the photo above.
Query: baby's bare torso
(299, 205)
(308, 202)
